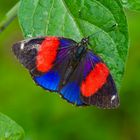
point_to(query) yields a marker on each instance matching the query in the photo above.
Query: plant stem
(9, 17)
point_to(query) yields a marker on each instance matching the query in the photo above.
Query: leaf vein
(67, 9)
(33, 16)
(49, 15)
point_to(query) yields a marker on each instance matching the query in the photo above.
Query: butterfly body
(78, 52)
(69, 68)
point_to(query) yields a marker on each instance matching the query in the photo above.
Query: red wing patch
(95, 80)
(47, 54)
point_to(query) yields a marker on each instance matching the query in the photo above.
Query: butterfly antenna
(109, 29)
(94, 34)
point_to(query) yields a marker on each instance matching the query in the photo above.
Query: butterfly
(69, 68)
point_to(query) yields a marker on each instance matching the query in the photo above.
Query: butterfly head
(85, 41)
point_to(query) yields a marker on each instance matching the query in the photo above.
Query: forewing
(98, 87)
(46, 58)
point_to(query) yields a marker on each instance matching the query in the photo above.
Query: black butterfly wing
(26, 52)
(98, 87)
(91, 84)
(36, 55)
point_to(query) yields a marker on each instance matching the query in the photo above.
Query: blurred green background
(47, 117)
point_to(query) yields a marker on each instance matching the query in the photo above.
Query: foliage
(9, 130)
(131, 4)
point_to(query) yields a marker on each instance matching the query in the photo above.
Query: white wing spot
(113, 97)
(22, 46)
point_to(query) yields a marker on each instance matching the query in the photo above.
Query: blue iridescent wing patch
(49, 81)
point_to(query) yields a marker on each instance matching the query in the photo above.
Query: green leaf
(77, 19)
(10, 130)
(131, 4)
